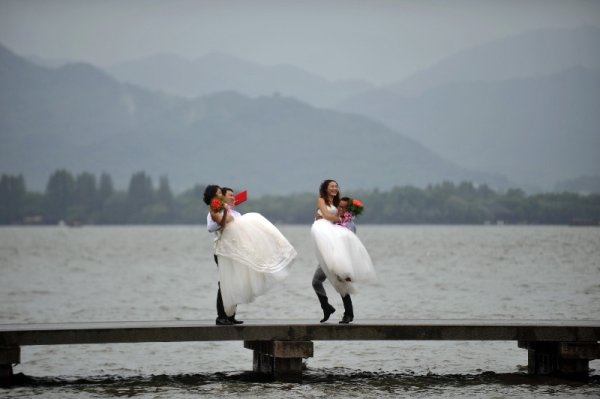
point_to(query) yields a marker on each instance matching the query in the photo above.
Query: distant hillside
(583, 185)
(48, 62)
(217, 72)
(535, 131)
(522, 106)
(79, 118)
(530, 54)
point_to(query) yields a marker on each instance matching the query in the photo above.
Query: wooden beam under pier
(555, 347)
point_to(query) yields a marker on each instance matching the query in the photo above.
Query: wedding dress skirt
(253, 256)
(342, 256)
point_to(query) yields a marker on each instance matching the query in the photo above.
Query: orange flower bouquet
(355, 207)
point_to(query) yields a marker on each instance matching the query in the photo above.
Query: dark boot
(327, 308)
(223, 322)
(222, 319)
(234, 320)
(348, 310)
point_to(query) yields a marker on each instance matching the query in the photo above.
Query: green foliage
(86, 193)
(106, 188)
(164, 195)
(60, 195)
(140, 192)
(81, 200)
(12, 198)
(114, 209)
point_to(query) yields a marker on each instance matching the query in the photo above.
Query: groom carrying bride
(213, 227)
(248, 270)
(343, 259)
(319, 277)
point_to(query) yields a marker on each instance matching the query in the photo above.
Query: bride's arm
(325, 213)
(218, 217)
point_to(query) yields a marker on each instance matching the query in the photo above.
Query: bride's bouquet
(355, 207)
(217, 204)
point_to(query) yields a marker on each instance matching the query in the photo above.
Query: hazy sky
(378, 40)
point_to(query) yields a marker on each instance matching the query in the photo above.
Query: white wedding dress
(253, 256)
(341, 255)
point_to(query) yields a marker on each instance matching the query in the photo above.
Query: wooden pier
(554, 347)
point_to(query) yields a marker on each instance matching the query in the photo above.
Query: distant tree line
(84, 199)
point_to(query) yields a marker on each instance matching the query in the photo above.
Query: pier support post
(280, 360)
(9, 355)
(567, 359)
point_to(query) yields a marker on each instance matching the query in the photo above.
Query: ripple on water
(316, 382)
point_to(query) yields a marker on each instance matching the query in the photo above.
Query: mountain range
(530, 54)
(524, 106)
(533, 130)
(217, 72)
(520, 106)
(521, 109)
(79, 118)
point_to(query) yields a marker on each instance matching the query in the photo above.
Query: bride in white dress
(253, 256)
(341, 255)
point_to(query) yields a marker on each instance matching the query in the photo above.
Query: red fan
(241, 197)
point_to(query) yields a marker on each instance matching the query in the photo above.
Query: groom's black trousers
(220, 308)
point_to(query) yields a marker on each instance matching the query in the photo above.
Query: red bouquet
(217, 204)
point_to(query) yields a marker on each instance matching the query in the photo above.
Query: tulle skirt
(253, 256)
(342, 256)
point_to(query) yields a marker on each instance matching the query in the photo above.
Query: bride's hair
(209, 193)
(325, 196)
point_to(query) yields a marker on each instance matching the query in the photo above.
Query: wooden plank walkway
(279, 346)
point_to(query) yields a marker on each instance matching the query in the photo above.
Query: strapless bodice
(332, 210)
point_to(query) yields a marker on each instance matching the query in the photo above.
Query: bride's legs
(317, 283)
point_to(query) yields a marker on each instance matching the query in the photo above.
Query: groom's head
(229, 196)
(343, 205)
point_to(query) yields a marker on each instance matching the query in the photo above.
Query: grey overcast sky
(379, 40)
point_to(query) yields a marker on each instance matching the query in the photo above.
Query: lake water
(60, 274)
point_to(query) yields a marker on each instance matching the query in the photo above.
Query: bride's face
(332, 189)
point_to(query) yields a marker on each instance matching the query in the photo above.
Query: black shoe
(234, 321)
(327, 312)
(346, 319)
(224, 322)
